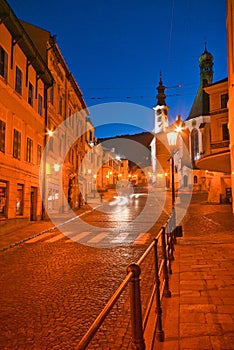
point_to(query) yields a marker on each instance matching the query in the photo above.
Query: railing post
(166, 292)
(138, 342)
(159, 330)
(174, 227)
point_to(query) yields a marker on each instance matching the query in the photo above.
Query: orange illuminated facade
(38, 94)
(230, 60)
(24, 81)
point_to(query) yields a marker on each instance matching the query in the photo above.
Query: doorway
(33, 204)
(185, 181)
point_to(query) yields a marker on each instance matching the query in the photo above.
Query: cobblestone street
(53, 288)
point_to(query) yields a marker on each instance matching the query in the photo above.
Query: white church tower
(160, 124)
(161, 109)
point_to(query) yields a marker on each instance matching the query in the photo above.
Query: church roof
(200, 105)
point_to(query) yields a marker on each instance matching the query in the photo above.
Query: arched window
(195, 179)
(185, 178)
(194, 145)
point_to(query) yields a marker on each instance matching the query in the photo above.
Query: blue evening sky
(117, 48)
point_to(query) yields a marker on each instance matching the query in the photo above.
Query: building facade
(230, 61)
(24, 82)
(42, 111)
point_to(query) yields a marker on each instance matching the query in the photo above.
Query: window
(19, 199)
(225, 132)
(16, 144)
(38, 154)
(195, 179)
(29, 150)
(194, 144)
(18, 81)
(2, 135)
(3, 197)
(60, 105)
(224, 100)
(3, 63)
(30, 94)
(40, 105)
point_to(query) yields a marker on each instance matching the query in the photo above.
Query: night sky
(117, 48)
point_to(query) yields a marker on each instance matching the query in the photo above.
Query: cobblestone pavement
(52, 289)
(200, 313)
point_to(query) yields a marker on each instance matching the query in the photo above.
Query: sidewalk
(200, 313)
(34, 228)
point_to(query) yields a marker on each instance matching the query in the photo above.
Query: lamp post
(172, 139)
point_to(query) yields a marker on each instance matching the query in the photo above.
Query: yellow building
(66, 114)
(41, 108)
(24, 82)
(230, 55)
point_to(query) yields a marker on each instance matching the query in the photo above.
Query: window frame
(17, 144)
(40, 105)
(3, 63)
(2, 136)
(3, 198)
(29, 150)
(20, 189)
(18, 80)
(30, 93)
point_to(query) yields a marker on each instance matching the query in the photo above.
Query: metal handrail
(167, 235)
(103, 314)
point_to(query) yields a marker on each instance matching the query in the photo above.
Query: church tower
(161, 109)
(201, 102)
(206, 68)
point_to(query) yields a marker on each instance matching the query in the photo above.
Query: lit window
(3, 197)
(29, 150)
(19, 199)
(2, 136)
(30, 94)
(3, 63)
(18, 81)
(16, 144)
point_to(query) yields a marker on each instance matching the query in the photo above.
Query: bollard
(138, 342)
(166, 292)
(159, 330)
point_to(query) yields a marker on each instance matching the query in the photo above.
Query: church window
(194, 145)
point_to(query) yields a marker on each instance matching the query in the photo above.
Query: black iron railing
(161, 255)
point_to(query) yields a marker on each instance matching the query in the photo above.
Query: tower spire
(161, 95)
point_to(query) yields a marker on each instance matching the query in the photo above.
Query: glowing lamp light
(56, 167)
(50, 133)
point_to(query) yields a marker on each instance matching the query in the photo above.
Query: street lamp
(172, 140)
